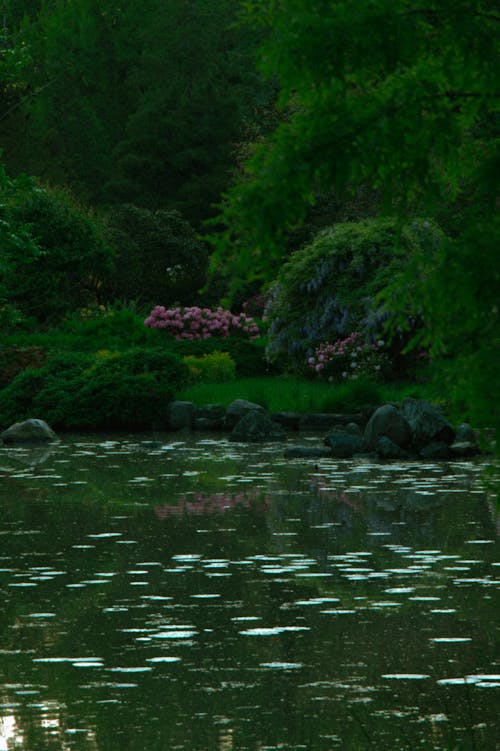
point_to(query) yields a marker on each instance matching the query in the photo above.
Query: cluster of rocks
(390, 432)
(414, 429)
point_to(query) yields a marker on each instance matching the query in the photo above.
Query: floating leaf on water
(164, 659)
(41, 615)
(179, 634)
(130, 670)
(103, 535)
(406, 676)
(205, 596)
(450, 639)
(316, 601)
(273, 631)
(282, 665)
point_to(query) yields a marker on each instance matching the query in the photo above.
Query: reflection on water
(196, 594)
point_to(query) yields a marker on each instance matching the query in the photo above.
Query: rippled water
(163, 593)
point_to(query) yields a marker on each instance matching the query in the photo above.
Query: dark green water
(202, 595)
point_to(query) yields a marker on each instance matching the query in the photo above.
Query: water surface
(170, 592)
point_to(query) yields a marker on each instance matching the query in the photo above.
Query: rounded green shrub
(61, 257)
(248, 354)
(214, 367)
(329, 289)
(108, 389)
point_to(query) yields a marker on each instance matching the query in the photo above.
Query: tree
(400, 95)
(135, 102)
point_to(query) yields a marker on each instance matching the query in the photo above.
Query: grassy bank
(287, 393)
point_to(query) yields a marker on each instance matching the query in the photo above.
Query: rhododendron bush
(349, 358)
(201, 323)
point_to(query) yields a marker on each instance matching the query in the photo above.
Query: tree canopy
(400, 96)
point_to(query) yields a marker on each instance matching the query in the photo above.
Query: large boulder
(387, 422)
(239, 408)
(387, 449)
(343, 445)
(29, 431)
(427, 423)
(256, 427)
(181, 414)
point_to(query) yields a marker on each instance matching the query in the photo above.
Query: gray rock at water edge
(387, 422)
(465, 434)
(464, 449)
(289, 420)
(210, 417)
(344, 445)
(327, 420)
(181, 415)
(29, 431)
(387, 449)
(238, 409)
(351, 427)
(211, 412)
(257, 427)
(436, 451)
(307, 452)
(427, 423)
(207, 423)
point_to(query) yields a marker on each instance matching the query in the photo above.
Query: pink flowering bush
(201, 323)
(349, 358)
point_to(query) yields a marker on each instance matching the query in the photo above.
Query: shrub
(158, 255)
(212, 368)
(329, 289)
(112, 390)
(349, 359)
(17, 398)
(59, 258)
(248, 354)
(201, 323)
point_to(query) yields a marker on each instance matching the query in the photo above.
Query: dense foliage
(157, 256)
(401, 97)
(53, 256)
(139, 103)
(331, 287)
(112, 390)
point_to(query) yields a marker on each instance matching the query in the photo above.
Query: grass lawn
(287, 393)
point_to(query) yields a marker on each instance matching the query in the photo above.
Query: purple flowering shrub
(349, 358)
(201, 323)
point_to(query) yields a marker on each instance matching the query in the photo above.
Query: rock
(436, 450)
(181, 414)
(210, 417)
(463, 449)
(387, 449)
(387, 422)
(351, 427)
(211, 411)
(307, 452)
(465, 434)
(256, 427)
(427, 423)
(207, 423)
(289, 420)
(343, 445)
(239, 408)
(29, 431)
(327, 420)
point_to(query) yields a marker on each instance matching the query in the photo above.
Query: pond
(166, 592)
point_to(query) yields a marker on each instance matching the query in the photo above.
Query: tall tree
(401, 95)
(138, 102)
